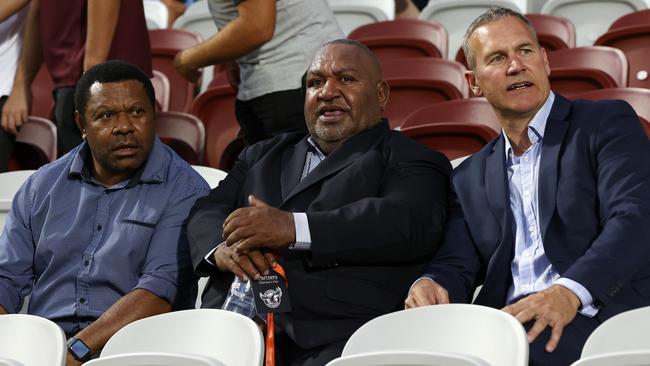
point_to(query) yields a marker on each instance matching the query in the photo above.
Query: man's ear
(383, 90)
(77, 120)
(470, 76)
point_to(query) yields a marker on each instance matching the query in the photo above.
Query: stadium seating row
(433, 335)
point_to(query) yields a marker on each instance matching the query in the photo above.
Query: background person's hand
(426, 292)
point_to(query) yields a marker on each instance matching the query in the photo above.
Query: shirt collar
(151, 172)
(536, 126)
(315, 149)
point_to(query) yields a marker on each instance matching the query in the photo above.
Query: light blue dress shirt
(531, 269)
(303, 236)
(78, 247)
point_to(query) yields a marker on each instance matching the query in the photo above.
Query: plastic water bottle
(240, 298)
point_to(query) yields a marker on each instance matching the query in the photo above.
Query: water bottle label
(271, 294)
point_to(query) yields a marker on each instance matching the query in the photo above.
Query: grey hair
(490, 16)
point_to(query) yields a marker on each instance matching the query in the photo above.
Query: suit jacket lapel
(497, 277)
(350, 151)
(496, 184)
(556, 128)
(293, 161)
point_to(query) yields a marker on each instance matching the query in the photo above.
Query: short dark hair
(490, 16)
(351, 42)
(110, 72)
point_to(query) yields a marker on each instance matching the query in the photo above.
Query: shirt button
(526, 193)
(525, 158)
(82, 300)
(86, 262)
(531, 229)
(99, 228)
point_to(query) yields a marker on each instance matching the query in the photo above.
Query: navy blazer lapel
(350, 151)
(293, 162)
(497, 276)
(496, 184)
(556, 128)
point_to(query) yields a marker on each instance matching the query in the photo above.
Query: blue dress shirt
(78, 247)
(531, 269)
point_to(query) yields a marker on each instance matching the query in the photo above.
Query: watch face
(79, 350)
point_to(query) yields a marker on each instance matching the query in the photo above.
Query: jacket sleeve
(620, 153)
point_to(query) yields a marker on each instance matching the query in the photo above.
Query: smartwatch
(79, 349)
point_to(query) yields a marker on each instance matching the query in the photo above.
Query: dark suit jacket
(376, 208)
(594, 208)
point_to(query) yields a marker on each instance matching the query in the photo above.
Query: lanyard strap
(270, 327)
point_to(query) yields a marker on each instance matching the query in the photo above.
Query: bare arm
(102, 21)
(253, 27)
(135, 305)
(10, 7)
(16, 108)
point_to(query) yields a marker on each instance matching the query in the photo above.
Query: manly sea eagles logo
(272, 298)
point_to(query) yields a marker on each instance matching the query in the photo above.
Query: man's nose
(329, 90)
(123, 123)
(516, 65)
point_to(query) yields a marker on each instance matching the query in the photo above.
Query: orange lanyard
(270, 327)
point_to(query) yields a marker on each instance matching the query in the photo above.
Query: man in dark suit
(353, 210)
(552, 217)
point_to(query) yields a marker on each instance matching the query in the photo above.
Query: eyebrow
(338, 71)
(500, 50)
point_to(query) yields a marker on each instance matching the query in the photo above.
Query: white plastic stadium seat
(351, 14)
(418, 330)
(222, 335)
(457, 15)
(623, 336)
(456, 162)
(31, 341)
(627, 358)
(156, 14)
(157, 359)
(402, 358)
(591, 17)
(10, 183)
(211, 175)
(4, 361)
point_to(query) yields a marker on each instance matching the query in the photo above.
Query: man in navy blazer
(353, 211)
(553, 216)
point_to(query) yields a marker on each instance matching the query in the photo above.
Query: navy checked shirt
(78, 247)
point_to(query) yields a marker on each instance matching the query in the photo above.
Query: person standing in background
(12, 20)
(272, 42)
(70, 37)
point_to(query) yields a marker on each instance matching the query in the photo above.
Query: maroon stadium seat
(165, 44)
(216, 108)
(162, 89)
(417, 82)
(35, 144)
(454, 139)
(403, 39)
(631, 34)
(472, 111)
(184, 133)
(581, 69)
